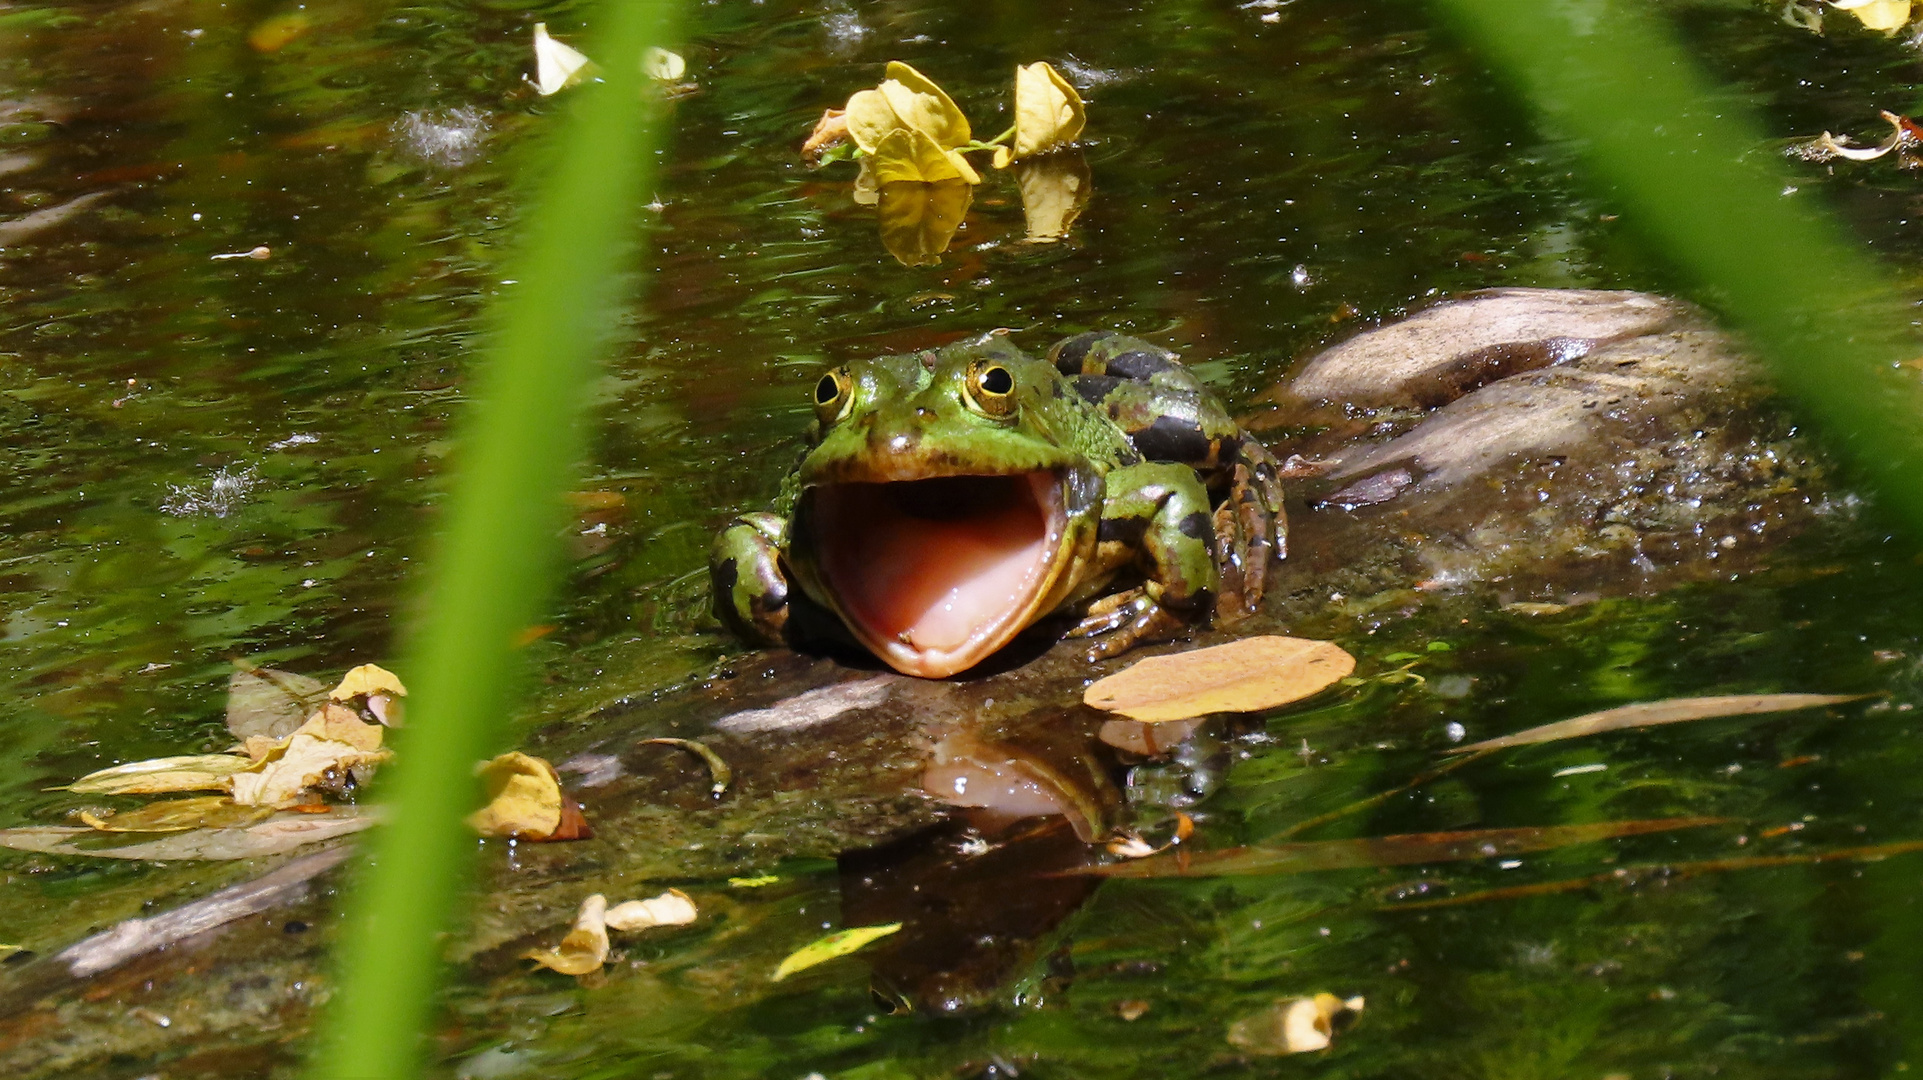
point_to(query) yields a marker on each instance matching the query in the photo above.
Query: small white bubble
(1455, 731)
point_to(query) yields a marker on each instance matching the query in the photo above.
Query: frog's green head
(950, 501)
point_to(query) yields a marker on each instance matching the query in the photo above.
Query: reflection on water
(206, 458)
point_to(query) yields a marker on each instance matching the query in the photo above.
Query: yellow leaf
(755, 882)
(923, 106)
(556, 66)
(662, 65)
(919, 220)
(585, 948)
(870, 119)
(1884, 15)
(330, 743)
(194, 772)
(909, 154)
(671, 908)
(1296, 1026)
(523, 798)
(839, 943)
(1048, 112)
(179, 815)
(368, 680)
(274, 33)
(1243, 676)
(1054, 191)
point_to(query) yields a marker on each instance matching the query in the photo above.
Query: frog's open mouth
(934, 575)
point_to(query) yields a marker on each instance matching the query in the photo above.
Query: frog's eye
(991, 389)
(832, 395)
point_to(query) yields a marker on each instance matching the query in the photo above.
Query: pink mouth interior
(942, 567)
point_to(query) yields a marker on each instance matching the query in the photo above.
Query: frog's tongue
(936, 574)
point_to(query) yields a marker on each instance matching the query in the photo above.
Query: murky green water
(206, 458)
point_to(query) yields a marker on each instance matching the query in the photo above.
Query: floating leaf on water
(275, 836)
(157, 776)
(332, 741)
(585, 948)
(1055, 189)
(919, 220)
(556, 66)
(179, 815)
(269, 703)
(1401, 850)
(839, 943)
(671, 908)
(525, 802)
(661, 65)
(906, 154)
(1048, 114)
(1652, 713)
(1296, 1026)
(923, 106)
(718, 770)
(1888, 16)
(368, 680)
(830, 131)
(1243, 676)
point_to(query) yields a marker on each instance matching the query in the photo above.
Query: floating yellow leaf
(1054, 191)
(671, 908)
(368, 680)
(839, 943)
(524, 798)
(1243, 676)
(906, 154)
(585, 948)
(556, 66)
(1295, 1026)
(923, 106)
(179, 815)
(1885, 15)
(194, 772)
(1652, 713)
(662, 65)
(870, 119)
(321, 751)
(1048, 114)
(919, 220)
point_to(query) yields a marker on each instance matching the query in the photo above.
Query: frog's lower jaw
(934, 575)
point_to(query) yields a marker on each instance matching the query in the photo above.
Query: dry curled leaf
(157, 776)
(1243, 676)
(1048, 114)
(839, 943)
(368, 680)
(1652, 713)
(830, 131)
(585, 948)
(525, 802)
(556, 66)
(321, 751)
(671, 908)
(1295, 1026)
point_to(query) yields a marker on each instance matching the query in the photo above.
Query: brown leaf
(179, 815)
(1243, 676)
(265, 702)
(156, 776)
(1400, 850)
(1652, 713)
(830, 131)
(585, 948)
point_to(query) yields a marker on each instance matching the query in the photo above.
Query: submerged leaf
(839, 943)
(556, 66)
(269, 703)
(919, 220)
(179, 815)
(276, 835)
(671, 908)
(193, 772)
(1296, 1026)
(1243, 676)
(585, 948)
(718, 770)
(1652, 713)
(1401, 850)
(1048, 113)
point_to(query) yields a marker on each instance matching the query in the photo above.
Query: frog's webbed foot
(1127, 619)
(750, 591)
(1251, 529)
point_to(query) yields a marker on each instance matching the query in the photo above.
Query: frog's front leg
(749, 589)
(1157, 516)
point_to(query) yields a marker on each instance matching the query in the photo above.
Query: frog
(950, 498)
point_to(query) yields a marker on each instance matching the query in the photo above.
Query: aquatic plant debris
(1652, 713)
(1904, 132)
(556, 65)
(178, 815)
(525, 801)
(671, 908)
(718, 770)
(276, 835)
(1888, 16)
(321, 751)
(1295, 1025)
(160, 776)
(586, 946)
(269, 703)
(1249, 675)
(839, 943)
(1049, 114)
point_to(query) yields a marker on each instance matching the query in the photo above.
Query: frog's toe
(1250, 531)
(1110, 612)
(1145, 621)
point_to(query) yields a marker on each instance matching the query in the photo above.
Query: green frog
(953, 497)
